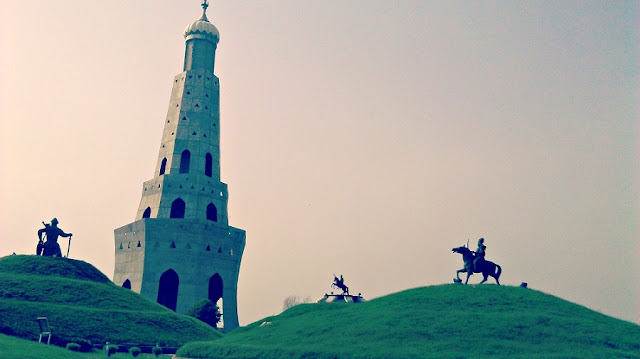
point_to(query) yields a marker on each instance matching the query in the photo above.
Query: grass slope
(447, 321)
(16, 348)
(12, 347)
(82, 303)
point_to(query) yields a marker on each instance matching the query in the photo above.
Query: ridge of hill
(80, 302)
(51, 266)
(445, 321)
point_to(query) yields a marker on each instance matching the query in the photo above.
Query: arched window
(168, 289)
(185, 160)
(163, 166)
(147, 213)
(126, 284)
(212, 212)
(215, 288)
(177, 209)
(208, 165)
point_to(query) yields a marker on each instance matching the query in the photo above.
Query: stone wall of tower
(199, 54)
(193, 117)
(195, 249)
(192, 123)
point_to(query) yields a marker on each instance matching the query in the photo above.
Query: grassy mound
(81, 303)
(50, 266)
(12, 347)
(447, 321)
(16, 348)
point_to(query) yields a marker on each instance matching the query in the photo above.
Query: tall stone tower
(181, 249)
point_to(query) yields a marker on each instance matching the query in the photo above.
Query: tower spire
(205, 5)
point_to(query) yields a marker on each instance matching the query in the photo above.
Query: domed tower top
(202, 40)
(202, 28)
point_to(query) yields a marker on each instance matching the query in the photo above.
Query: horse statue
(339, 283)
(487, 268)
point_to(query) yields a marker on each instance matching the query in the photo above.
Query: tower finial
(205, 5)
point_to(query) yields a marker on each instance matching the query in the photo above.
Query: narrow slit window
(208, 165)
(185, 161)
(163, 166)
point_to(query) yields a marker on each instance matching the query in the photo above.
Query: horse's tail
(499, 271)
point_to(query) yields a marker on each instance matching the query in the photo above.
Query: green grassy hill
(82, 303)
(16, 348)
(447, 321)
(12, 347)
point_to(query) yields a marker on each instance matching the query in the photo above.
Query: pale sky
(363, 138)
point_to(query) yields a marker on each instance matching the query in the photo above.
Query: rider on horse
(339, 283)
(474, 262)
(479, 254)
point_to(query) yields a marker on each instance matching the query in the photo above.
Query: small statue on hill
(51, 232)
(339, 283)
(474, 262)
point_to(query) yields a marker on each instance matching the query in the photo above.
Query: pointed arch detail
(163, 166)
(212, 212)
(215, 288)
(185, 161)
(168, 289)
(177, 208)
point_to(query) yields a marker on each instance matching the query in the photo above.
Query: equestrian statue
(474, 262)
(339, 283)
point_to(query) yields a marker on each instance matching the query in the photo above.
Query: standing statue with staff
(51, 232)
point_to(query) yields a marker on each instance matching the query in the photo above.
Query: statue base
(341, 298)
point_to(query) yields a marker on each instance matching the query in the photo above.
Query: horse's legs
(494, 272)
(463, 270)
(468, 275)
(496, 275)
(484, 278)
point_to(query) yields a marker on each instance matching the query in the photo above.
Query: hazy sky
(363, 138)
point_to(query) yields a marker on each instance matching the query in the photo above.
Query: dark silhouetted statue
(51, 232)
(339, 283)
(479, 254)
(475, 263)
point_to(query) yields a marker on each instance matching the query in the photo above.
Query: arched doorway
(215, 288)
(168, 289)
(126, 284)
